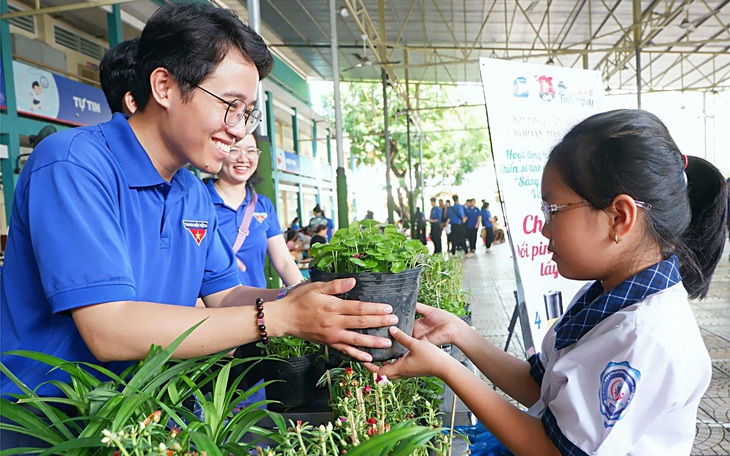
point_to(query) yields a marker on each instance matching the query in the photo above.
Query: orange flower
(154, 416)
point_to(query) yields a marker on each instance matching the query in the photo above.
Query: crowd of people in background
(300, 237)
(461, 225)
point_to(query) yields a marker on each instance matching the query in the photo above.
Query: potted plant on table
(292, 369)
(385, 264)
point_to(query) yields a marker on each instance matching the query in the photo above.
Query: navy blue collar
(593, 306)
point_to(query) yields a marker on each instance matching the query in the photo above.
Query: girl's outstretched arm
(519, 432)
(507, 372)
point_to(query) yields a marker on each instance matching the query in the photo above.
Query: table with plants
(195, 406)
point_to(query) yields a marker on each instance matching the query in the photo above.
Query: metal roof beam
(61, 9)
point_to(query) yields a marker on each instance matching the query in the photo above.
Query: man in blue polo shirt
(434, 219)
(457, 218)
(472, 223)
(111, 240)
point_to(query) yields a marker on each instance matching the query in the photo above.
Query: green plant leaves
(367, 246)
(401, 440)
(152, 391)
(441, 284)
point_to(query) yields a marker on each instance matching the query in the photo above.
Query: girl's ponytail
(704, 240)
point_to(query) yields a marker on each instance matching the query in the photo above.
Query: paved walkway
(490, 277)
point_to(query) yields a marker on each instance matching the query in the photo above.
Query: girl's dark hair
(291, 235)
(631, 152)
(190, 40)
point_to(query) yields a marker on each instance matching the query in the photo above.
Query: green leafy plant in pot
(385, 264)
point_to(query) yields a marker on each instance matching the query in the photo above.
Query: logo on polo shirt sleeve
(197, 228)
(618, 386)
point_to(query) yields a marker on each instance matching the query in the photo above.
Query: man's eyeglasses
(237, 111)
(549, 210)
(251, 154)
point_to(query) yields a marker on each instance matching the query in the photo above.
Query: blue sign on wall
(43, 94)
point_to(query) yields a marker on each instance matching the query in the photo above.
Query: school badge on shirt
(260, 216)
(197, 228)
(618, 386)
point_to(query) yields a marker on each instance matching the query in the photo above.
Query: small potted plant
(386, 266)
(293, 367)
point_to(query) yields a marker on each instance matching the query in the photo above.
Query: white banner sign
(529, 109)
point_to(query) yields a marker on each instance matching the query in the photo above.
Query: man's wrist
(285, 291)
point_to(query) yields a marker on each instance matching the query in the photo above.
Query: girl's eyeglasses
(252, 154)
(548, 210)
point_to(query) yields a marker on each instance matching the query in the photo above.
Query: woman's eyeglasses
(251, 154)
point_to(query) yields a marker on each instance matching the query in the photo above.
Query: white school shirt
(647, 363)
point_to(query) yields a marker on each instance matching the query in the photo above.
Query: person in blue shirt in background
(434, 218)
(487, 223)
(457, 218)
(472, 223)
(231, 194)
(330, 226)
(318, 218)
(112, 240)
(295, 224)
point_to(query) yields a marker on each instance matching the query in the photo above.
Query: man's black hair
(116, 72)
(190, 40)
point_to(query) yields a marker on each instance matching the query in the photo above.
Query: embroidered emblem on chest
(618, 386)
(260, 216)
(197, 228)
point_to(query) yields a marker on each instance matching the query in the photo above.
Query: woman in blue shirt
(487, 223)
(231, 194)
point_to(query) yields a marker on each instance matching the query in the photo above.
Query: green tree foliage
(455, 140)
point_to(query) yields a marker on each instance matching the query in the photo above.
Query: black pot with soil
(400, 290)
(294, 382)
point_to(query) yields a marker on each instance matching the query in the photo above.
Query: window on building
(78, 43)
(26, 23)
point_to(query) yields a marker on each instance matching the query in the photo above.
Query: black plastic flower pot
(294, 381)
(399, 290)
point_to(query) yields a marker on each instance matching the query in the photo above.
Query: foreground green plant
(368, 405)
(367, 246)
(289, 347)
(156, 407)
(91, 410)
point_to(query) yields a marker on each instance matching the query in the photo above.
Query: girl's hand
(439, 326)
(423, 358)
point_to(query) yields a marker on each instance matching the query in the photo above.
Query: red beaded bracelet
(260, 321)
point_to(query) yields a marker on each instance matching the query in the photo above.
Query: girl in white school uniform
(624, 369)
